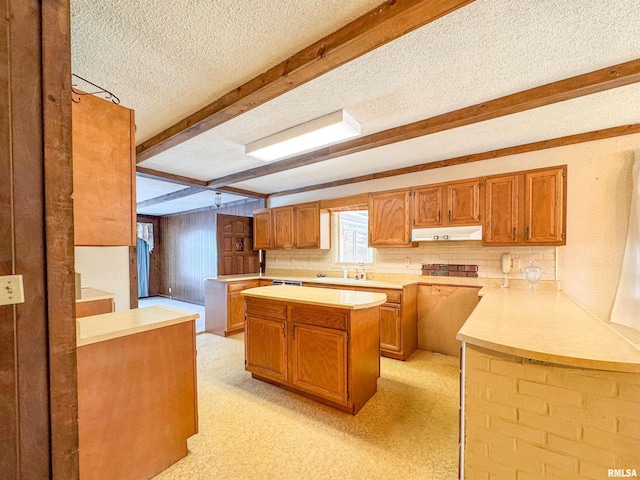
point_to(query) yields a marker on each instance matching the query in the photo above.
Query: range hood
(446, 234)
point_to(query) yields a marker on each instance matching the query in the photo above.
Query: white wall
(105, 268)
(598, 201)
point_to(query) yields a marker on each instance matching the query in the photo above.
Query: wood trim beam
(169, 177)
(574, 87)
(503, 152)
(186, 192)
(59, 296)
(386, 22)
(211, 207)
(192, 182)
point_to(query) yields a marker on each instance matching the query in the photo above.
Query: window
(353, 228)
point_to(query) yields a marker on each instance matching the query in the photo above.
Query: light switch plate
(11, 289)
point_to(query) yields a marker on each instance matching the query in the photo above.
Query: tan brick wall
(528, 420)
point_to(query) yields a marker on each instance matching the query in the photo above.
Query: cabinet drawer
(393, 297)
(264, 309)
(238, 287)
(318, 317)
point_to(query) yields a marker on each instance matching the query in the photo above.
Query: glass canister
(532, 274)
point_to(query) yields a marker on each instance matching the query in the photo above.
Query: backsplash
(409, 260)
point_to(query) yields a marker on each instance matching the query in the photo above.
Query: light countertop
(98, 328)
(395, 282)
(547, 326)
(348, 299)
(90, 294)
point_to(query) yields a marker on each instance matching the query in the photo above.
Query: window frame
(337, 241)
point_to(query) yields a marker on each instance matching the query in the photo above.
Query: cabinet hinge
(347, 337)
(562, 235)
(564, 174)
(347, 396)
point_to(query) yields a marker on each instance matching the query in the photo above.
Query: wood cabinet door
(389, 219)
(463, 203)
(262, 229)
(427, 206)
(307, 225)
(235, 303)
(282, 227)
(236, 255)
(501, 210)
(390, 327)
(545, 207)
(320, 361)
(266, 347)
(104, 172)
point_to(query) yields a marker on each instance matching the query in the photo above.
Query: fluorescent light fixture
(327, 130)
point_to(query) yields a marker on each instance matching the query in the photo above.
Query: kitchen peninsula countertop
(348, 299)
(98, 328)
(547, 326)
(88, 294)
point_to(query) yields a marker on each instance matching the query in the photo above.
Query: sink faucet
(344, 271)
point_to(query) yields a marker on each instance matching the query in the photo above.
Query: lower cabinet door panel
(266, 347)
(390, 323)
(320, 361)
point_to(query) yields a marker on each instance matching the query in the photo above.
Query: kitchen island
(137, 400)
(321, 343)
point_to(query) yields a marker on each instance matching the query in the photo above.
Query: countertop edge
(589, 363)
(125, 330)
(316, 301)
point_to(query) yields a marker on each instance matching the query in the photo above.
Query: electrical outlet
(515, 264)
(407, 262)
(292, 261)
(169, 289)
(11, 290)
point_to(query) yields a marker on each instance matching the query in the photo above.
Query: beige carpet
(253, 430)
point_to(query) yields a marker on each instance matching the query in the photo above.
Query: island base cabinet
(331, 355)
(266, 354)
(136, 402)
(320, 361)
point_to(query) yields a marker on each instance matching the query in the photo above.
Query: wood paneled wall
(189, 250)
(38, 407)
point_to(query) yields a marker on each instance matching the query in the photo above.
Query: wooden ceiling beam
(169, 177)
(384, 23)
(574, 87)
(192, 182)
(185, 192)
(503, 152)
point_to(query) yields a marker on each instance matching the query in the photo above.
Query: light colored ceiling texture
(166, 63)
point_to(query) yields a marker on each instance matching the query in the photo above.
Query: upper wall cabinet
(104, 194)
(312, 226)
(390, 219)
(427, 206)
(502, 210)
(262, 238)
(463, 202)
(456, 203)
(545, 206)
(526, 208)
(295, 226)
(282, 218)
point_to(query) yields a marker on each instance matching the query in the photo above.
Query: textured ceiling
(164, 63)
(167, 59)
